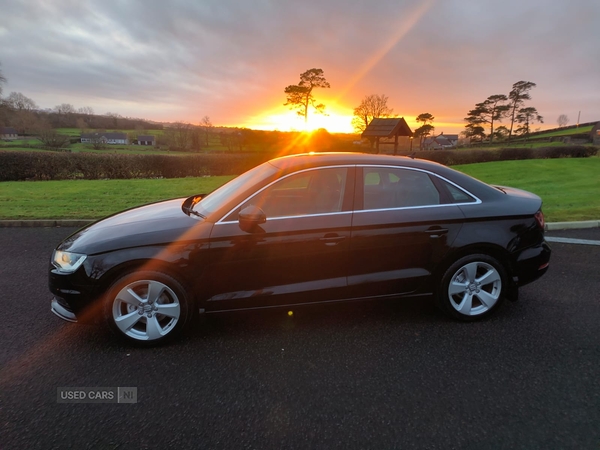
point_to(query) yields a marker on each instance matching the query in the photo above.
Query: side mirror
(250, 218)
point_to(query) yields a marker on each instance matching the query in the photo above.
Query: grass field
(92, 199)
(569, 187)
(568, 132)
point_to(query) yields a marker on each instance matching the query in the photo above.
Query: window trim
(352, 179)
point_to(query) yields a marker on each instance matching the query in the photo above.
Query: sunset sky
(231, 59)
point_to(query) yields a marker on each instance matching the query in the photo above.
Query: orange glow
(336, 120)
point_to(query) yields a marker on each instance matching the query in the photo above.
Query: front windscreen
(233, 188)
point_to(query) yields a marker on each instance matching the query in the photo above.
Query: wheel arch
(145, 264)
(496, 251)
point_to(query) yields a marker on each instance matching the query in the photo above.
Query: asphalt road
(369, 375)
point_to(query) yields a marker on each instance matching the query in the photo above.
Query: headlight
(67, 262)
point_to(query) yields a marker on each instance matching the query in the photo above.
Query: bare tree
(2, 80)
(179, 136)
(64, 108)
(20, 102)
(300, 96)
(50, 137)
(21, 111)
(562, 120)
(86, 111)
(206, 126)
(371, 107)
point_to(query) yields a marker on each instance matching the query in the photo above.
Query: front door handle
(331, 239)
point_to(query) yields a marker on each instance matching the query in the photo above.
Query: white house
(107, 138)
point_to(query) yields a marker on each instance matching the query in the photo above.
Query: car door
(299, 255)
(401, 227)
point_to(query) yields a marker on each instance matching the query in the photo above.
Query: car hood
(153, 224)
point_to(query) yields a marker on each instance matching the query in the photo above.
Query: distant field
(568, 132)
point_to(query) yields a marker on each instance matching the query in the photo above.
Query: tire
(473, 287)
(147, 308)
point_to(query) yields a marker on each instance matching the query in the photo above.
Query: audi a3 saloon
(303, 229)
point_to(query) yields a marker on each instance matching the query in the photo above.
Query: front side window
(387, 187)
(316, 191)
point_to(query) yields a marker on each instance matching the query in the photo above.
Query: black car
(304, 229)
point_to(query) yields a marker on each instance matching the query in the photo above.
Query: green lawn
(569, 187)
(92, 199)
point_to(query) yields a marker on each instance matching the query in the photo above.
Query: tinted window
(397, 188)
(317, 191)
(458, 195)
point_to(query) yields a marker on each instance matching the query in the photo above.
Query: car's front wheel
(472, 287)
(147, 307)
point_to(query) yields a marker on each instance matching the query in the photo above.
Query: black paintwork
(346, 255)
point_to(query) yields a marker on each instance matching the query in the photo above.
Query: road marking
(571, 241)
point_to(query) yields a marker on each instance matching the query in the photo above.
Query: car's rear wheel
(472, 287)
(147, 308)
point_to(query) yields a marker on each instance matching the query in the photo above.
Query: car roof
(295, 162)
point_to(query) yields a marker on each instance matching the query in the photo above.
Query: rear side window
(386, 187)
(458, 195)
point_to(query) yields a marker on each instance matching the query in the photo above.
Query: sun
(336, 120)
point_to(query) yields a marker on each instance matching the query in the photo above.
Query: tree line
(497, 107)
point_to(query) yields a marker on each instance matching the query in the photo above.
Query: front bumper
(61, 311)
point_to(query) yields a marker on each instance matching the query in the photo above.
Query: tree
(206, 126)
(517, 97)
(492, 109)
(21, 111)
(86, 111)
(525, 117)
(371, 107)
(2, 106)
(2, 80)
(426, 129)
(300, 96)
(19, 102)
(50, 137)
(562, 120)
(179, 136)
(474, 131)
(501, 133)
(64, 108)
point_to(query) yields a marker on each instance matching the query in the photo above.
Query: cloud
(231, 60)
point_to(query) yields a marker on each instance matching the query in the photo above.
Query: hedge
(465, 156)
(17, 166)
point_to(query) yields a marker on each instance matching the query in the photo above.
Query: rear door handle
(436, 232)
